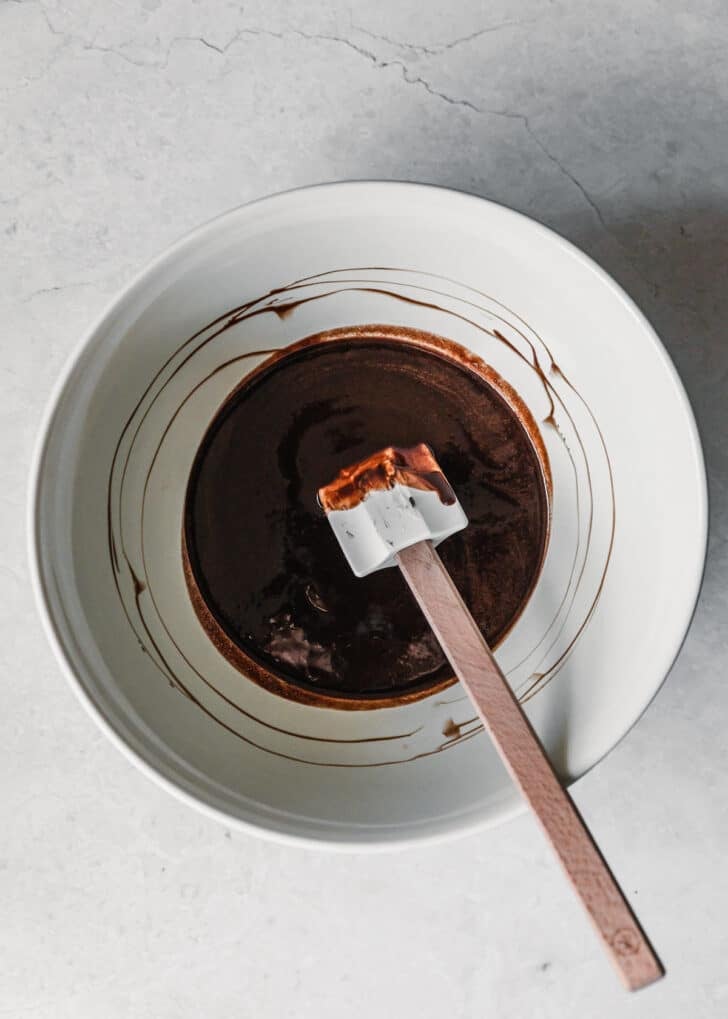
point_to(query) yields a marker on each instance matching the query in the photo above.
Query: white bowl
(625, 554)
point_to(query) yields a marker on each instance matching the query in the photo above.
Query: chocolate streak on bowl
(259, 306)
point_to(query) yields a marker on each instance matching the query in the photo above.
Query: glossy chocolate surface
(262, 555)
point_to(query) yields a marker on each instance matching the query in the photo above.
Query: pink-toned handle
(530, 768)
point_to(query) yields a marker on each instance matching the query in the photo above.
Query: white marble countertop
(125, 124)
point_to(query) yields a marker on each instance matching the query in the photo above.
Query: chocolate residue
(258, 543)
(143, 615)
(450, 729)
(415, 467)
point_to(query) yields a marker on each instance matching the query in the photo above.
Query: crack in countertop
(379, 63)
(438, 48)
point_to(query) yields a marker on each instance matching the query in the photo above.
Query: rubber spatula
(392, 509)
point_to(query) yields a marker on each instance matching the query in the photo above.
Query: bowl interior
(597, 635)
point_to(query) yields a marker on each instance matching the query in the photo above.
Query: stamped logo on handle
(626, 941)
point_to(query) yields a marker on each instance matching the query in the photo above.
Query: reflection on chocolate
(261, 553)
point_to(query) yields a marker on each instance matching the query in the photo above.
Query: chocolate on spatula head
(393, 499)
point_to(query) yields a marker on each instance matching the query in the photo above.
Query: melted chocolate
(415, 467)
(263, 555)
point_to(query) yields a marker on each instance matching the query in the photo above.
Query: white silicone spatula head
(395, 498)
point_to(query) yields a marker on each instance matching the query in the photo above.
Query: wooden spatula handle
(529, 766)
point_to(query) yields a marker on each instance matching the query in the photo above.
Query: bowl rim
(93, 337)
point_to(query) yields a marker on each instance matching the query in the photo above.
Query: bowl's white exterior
(597, 336)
